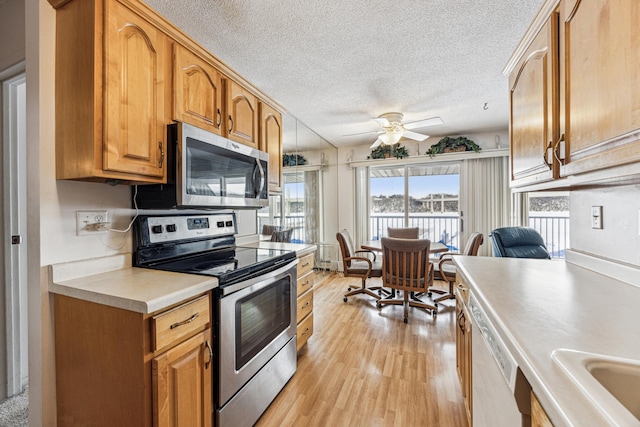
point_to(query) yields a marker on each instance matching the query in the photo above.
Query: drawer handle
(306, 305)
(306, 331)
(306, 264)
(208, 346)
(184, 322)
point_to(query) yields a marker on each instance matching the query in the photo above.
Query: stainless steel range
(255, 305)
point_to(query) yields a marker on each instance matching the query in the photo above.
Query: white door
(14, 349)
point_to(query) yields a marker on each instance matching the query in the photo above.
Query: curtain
(361, 220)
(312, 208)
(485, 198)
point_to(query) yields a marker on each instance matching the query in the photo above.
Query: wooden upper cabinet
(111, 113)
(534, 109)
(601, 83)
(197, 91)
(271, 142)
(242, 112)
(134, 117)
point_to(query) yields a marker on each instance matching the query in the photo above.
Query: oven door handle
(258, 281)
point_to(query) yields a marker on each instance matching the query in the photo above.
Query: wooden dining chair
(404, 232)
(281, 236)
(358, 266)
(406, 267)
(446, 270)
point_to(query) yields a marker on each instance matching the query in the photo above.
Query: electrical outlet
(596, 217)
(91, 222)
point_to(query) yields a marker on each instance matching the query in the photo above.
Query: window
(549, 215)
(423, 196)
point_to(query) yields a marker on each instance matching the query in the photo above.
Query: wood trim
(56, 4)
(532, 31)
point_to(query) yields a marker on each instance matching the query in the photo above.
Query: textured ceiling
(336, 64)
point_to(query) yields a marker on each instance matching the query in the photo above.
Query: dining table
(376, 246)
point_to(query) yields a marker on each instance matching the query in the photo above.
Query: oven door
(254, 324)
(215, 171)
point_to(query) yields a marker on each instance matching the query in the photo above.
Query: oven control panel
(175, 228)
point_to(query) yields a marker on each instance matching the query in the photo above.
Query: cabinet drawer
(305, 265)
(305, 282)
(305, 305)
(305, 330)
(183, 321)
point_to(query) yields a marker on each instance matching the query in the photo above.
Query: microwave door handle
(261, 169)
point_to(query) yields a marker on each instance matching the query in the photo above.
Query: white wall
(618, 239)
(12, 33)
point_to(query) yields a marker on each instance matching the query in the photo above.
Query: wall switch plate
(596, 217)
(91, 222)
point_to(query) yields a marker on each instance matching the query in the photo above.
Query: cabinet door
(534, 110)
(242, 108)
(182, 384)
(197, 91)
(602, 83)
(134, 114)
(271, 142)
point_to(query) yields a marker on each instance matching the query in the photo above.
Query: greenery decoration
(293, 160)
(384, 151)
(448, 145)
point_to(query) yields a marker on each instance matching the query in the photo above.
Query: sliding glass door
(423, 196)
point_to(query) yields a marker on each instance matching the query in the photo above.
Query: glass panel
(549, 215)
(214, 171)
(434, 193)
(386, 200)
(260, 317)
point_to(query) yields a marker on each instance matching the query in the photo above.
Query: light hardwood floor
(364, 367)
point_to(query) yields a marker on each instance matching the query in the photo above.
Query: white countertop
(538, 306)
(112, 281)
(300, 249)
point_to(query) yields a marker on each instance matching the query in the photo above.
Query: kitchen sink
(611, 383)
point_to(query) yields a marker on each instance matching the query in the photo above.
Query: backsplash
(618, 239)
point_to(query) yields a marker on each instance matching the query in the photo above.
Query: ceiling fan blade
(362, 133)
(415, 136)
(424, 123)
(382, 121)
(376, 144)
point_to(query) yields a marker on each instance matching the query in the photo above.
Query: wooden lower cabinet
(182, 384)
(109, 373)
(306, 279)
(463, 352)
(539, 417)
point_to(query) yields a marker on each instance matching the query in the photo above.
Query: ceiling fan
(393, 129)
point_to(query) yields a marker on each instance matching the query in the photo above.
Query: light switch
(596, 217)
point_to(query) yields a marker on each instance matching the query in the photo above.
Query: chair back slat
(405, 263)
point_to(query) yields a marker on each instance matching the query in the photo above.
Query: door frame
(13, 127)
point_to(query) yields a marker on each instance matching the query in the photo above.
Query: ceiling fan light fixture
(391, 138)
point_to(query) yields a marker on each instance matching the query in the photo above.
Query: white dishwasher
(496, 379)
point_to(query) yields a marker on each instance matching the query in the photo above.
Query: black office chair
(518, 242)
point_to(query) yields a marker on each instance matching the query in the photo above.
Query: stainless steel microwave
(206, 170)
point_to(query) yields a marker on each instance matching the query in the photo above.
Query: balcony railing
(437, 228)
(554, 229)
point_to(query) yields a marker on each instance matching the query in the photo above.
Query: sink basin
(611, 383)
